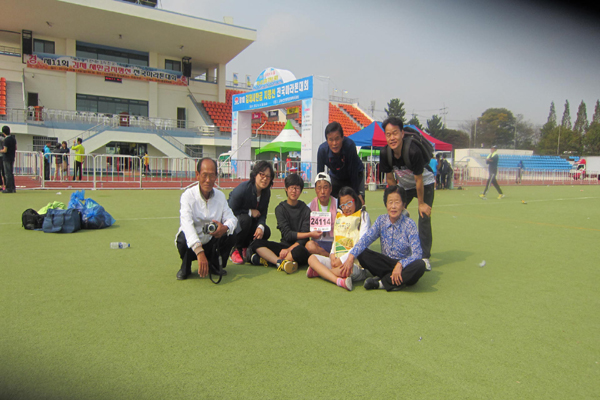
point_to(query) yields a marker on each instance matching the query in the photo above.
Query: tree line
(500, 127)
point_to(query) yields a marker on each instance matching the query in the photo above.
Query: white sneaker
(427, 264)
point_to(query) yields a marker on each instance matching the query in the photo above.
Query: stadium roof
(129, 26)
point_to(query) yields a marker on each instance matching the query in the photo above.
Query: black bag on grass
(31, 220)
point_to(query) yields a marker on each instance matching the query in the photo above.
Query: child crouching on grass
(400, 262)
(293, 220)
(351, 223)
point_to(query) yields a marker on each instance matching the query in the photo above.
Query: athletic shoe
(427, 264)
(345, 283)
(258, 260)
(288, 266)
(236, 258)
(500, 196)
(244, 255)
(371, 283)
(311, 273)
(483, 196)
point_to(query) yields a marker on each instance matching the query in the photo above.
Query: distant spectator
(57, 162)
(2, 175)
(79, 150)
(433, 163)
(146, 163)
(9, 150)
(47, 157)
(519, 171)
(492, 162)
(65, 159)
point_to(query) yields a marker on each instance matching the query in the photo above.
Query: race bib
(320, 221)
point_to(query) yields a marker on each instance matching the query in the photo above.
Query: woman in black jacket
(250, 203)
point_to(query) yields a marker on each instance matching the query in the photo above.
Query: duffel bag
(62, 221)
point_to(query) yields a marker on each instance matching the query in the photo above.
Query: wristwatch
(195, 247)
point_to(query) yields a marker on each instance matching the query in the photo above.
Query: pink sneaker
(236, 258)
(311, 273)
(345, 283)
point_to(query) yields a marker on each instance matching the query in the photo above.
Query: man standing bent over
(418, 180)
(202, 205)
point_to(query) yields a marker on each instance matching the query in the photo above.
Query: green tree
(435, 125)
(395, 108)
(457, 138)
(596, 117)
(527, 134)
(591, 140)
(581, 122)
(415, 121)
(566, 119)
(496, 126)
(558, 141)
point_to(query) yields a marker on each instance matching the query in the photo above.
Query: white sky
(466, 55)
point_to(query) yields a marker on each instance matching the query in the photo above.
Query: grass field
(81, 321)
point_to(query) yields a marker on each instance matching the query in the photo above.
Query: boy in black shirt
(418, 180)
(293, 220)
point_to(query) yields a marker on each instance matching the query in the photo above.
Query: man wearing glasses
(250, 203)
(418, 180)
(202, 205)
(346, 168)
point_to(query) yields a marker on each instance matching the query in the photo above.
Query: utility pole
(444, 111)
(373, 109)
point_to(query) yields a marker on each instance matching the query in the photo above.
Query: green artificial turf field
(81, 321)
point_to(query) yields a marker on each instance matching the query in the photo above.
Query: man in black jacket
(9, 150)
(250, 203)
(346, 168)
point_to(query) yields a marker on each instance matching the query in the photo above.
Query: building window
(193, 150)
(43, 46)
(173, 65)
(111, 105)
(123, 56)
(39, 142)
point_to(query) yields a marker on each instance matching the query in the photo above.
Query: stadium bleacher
(337, 115)
(356, 114)
(532, 162)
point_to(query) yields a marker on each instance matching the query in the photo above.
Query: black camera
(210, 228)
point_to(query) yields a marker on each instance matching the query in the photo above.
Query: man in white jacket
(207, 225)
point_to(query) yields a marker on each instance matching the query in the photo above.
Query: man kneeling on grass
(401, 263)
(201, 206)
(293, 220)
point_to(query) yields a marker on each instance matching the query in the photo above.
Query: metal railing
(123, 171)
(10, 51)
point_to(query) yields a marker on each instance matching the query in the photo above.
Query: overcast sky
(465, 55)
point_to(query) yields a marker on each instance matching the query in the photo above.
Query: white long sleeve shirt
(196, 212)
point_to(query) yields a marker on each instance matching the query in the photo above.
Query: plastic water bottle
(119, 245)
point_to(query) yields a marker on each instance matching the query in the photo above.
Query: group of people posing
(330, 236)
(61, 152)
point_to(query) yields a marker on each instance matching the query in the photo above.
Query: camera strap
(219, 270)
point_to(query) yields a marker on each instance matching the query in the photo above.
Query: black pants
(78, 167)
(299, 253)
(492, 179)
(245, 231)
(2, 176)
(425, 234)
(9, 176)
(382, 266)
(46, 169)
(337, 184)
(213, 249)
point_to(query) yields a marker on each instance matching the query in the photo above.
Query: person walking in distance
(492, 162)
(9, 150)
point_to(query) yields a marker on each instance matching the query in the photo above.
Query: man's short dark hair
(394, 121)
(199, 165)
(348, 191)
(294, 180)
(262, 166)
(395, 189)
(334, 127)
(79, 140)
(6, 130)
